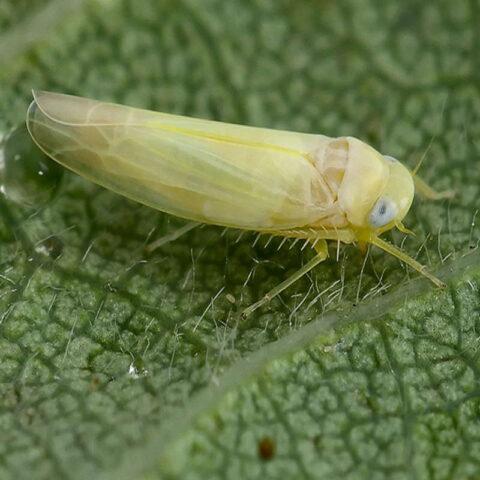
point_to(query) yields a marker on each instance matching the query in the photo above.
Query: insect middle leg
(322, 253)
(170, 237)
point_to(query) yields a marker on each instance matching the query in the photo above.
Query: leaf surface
(115, 363)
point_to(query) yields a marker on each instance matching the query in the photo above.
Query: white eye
(382, 213)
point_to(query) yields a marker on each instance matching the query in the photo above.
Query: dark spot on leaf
(28, 416)
(317, 441)
(219, 423)
(266, 448)
(94, 383)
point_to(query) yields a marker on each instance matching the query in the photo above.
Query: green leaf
(119, 364)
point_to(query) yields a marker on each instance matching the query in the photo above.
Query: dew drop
(110, 287)
(230, 298)
(27, 176)
(137, 369)
(51, 246)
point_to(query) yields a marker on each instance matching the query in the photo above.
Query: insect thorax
(330, 160)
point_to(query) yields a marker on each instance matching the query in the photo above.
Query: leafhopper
(290, 184)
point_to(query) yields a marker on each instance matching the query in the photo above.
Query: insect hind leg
(322, 253)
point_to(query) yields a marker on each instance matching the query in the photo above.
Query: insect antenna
(422, 158)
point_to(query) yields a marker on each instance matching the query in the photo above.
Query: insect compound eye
(382, 213)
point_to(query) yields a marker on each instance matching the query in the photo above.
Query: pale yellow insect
(284, 183)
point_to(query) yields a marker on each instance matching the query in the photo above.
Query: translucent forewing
(206, 171)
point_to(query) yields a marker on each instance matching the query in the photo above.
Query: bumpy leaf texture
(119, 364)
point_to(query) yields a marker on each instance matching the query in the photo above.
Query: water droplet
(137, 369)
(230, 298)
(27, 175)
(51, 246)
(109, 287)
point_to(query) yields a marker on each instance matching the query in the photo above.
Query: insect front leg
(322, 253)
(428, 192)
(396, 252)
